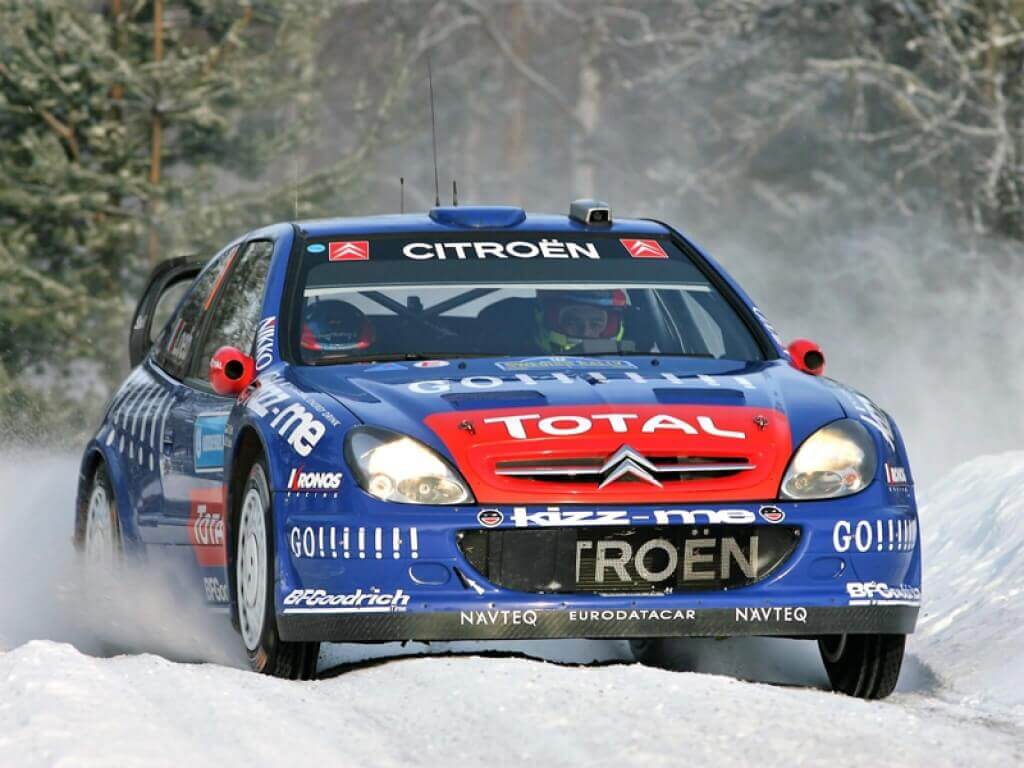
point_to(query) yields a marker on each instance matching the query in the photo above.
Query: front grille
(649, 559)
(595, 469)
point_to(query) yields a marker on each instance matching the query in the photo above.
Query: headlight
(394, 467)
(837, 460)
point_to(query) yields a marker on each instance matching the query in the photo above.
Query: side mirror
(807, 357)
(231, 371)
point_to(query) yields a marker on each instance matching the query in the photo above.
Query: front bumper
(352, 569)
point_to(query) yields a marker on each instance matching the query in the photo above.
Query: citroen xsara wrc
(479, 424)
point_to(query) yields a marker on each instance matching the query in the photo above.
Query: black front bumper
(646, 619)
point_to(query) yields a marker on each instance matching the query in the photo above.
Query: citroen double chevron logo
(627, 461)
(644, 249)
(349, 250)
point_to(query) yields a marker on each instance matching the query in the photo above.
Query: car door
(160, 381)
(199, 416)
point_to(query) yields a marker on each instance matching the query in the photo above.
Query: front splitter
(527, 624)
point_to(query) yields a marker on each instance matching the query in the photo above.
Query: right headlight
(395, 467)
(837, 460)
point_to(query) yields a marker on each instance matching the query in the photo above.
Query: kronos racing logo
(314, 481)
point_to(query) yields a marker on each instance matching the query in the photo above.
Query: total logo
(314, 481)
(206, 527)
(322, 601)
(620, 423)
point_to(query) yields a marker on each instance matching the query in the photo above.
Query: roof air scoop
(591, 212)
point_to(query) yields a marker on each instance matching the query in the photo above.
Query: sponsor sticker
(216, 590)
(522, 426)
(206, 526)
(895, 475)
(291, 420)
(522, 517)
(265, 342)
(644, 249)
(384, 368)
(431, 364)
(441, 386)
(880, 593)
(349, 250)
(316, 248)
(545, 248)
(208, 442)
(353, 542)
(502, 618)
(360, 601)
(893, 535)
(563, 362)
(490, 518)
(778, 614)
(299, 481)
(772, 514)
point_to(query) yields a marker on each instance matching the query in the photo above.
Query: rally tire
(650, 651)
(254, 596)
(101, 544)
(864, 666)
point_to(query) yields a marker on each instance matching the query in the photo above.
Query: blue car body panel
(352, 567)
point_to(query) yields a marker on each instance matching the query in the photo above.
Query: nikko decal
(644, 249)
(546, 248)
(349, 250)
(265, 343)
(208, 442)
(558, 362)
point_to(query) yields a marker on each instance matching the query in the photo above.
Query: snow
(65, 701)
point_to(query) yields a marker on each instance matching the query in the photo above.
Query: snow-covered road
(960, 700)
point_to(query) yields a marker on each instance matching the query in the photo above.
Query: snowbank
(971, 631)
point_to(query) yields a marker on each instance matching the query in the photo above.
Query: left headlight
(837, 460)
(394, 467)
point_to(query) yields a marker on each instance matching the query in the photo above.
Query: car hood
(510, 425)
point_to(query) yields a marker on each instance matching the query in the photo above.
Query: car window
(173, 349)
(237, 311)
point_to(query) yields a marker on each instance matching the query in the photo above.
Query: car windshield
(408, 298)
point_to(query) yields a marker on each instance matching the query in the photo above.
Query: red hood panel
(554, 435)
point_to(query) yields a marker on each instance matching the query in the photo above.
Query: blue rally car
(479, 424)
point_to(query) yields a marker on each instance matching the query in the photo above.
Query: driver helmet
(568, 318)
(331, 326)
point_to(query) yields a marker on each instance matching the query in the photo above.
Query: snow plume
(917, 317)
(45, 596)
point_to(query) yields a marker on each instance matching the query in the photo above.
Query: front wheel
(865, 666)
(254, 580)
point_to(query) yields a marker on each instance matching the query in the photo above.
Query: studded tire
(254, 586)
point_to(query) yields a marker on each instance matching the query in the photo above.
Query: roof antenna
(433, 132)
(401, 194)
(455, 194)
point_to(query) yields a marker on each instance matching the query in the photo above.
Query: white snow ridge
(959, 703)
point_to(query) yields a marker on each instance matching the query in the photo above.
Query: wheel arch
(92, 459)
